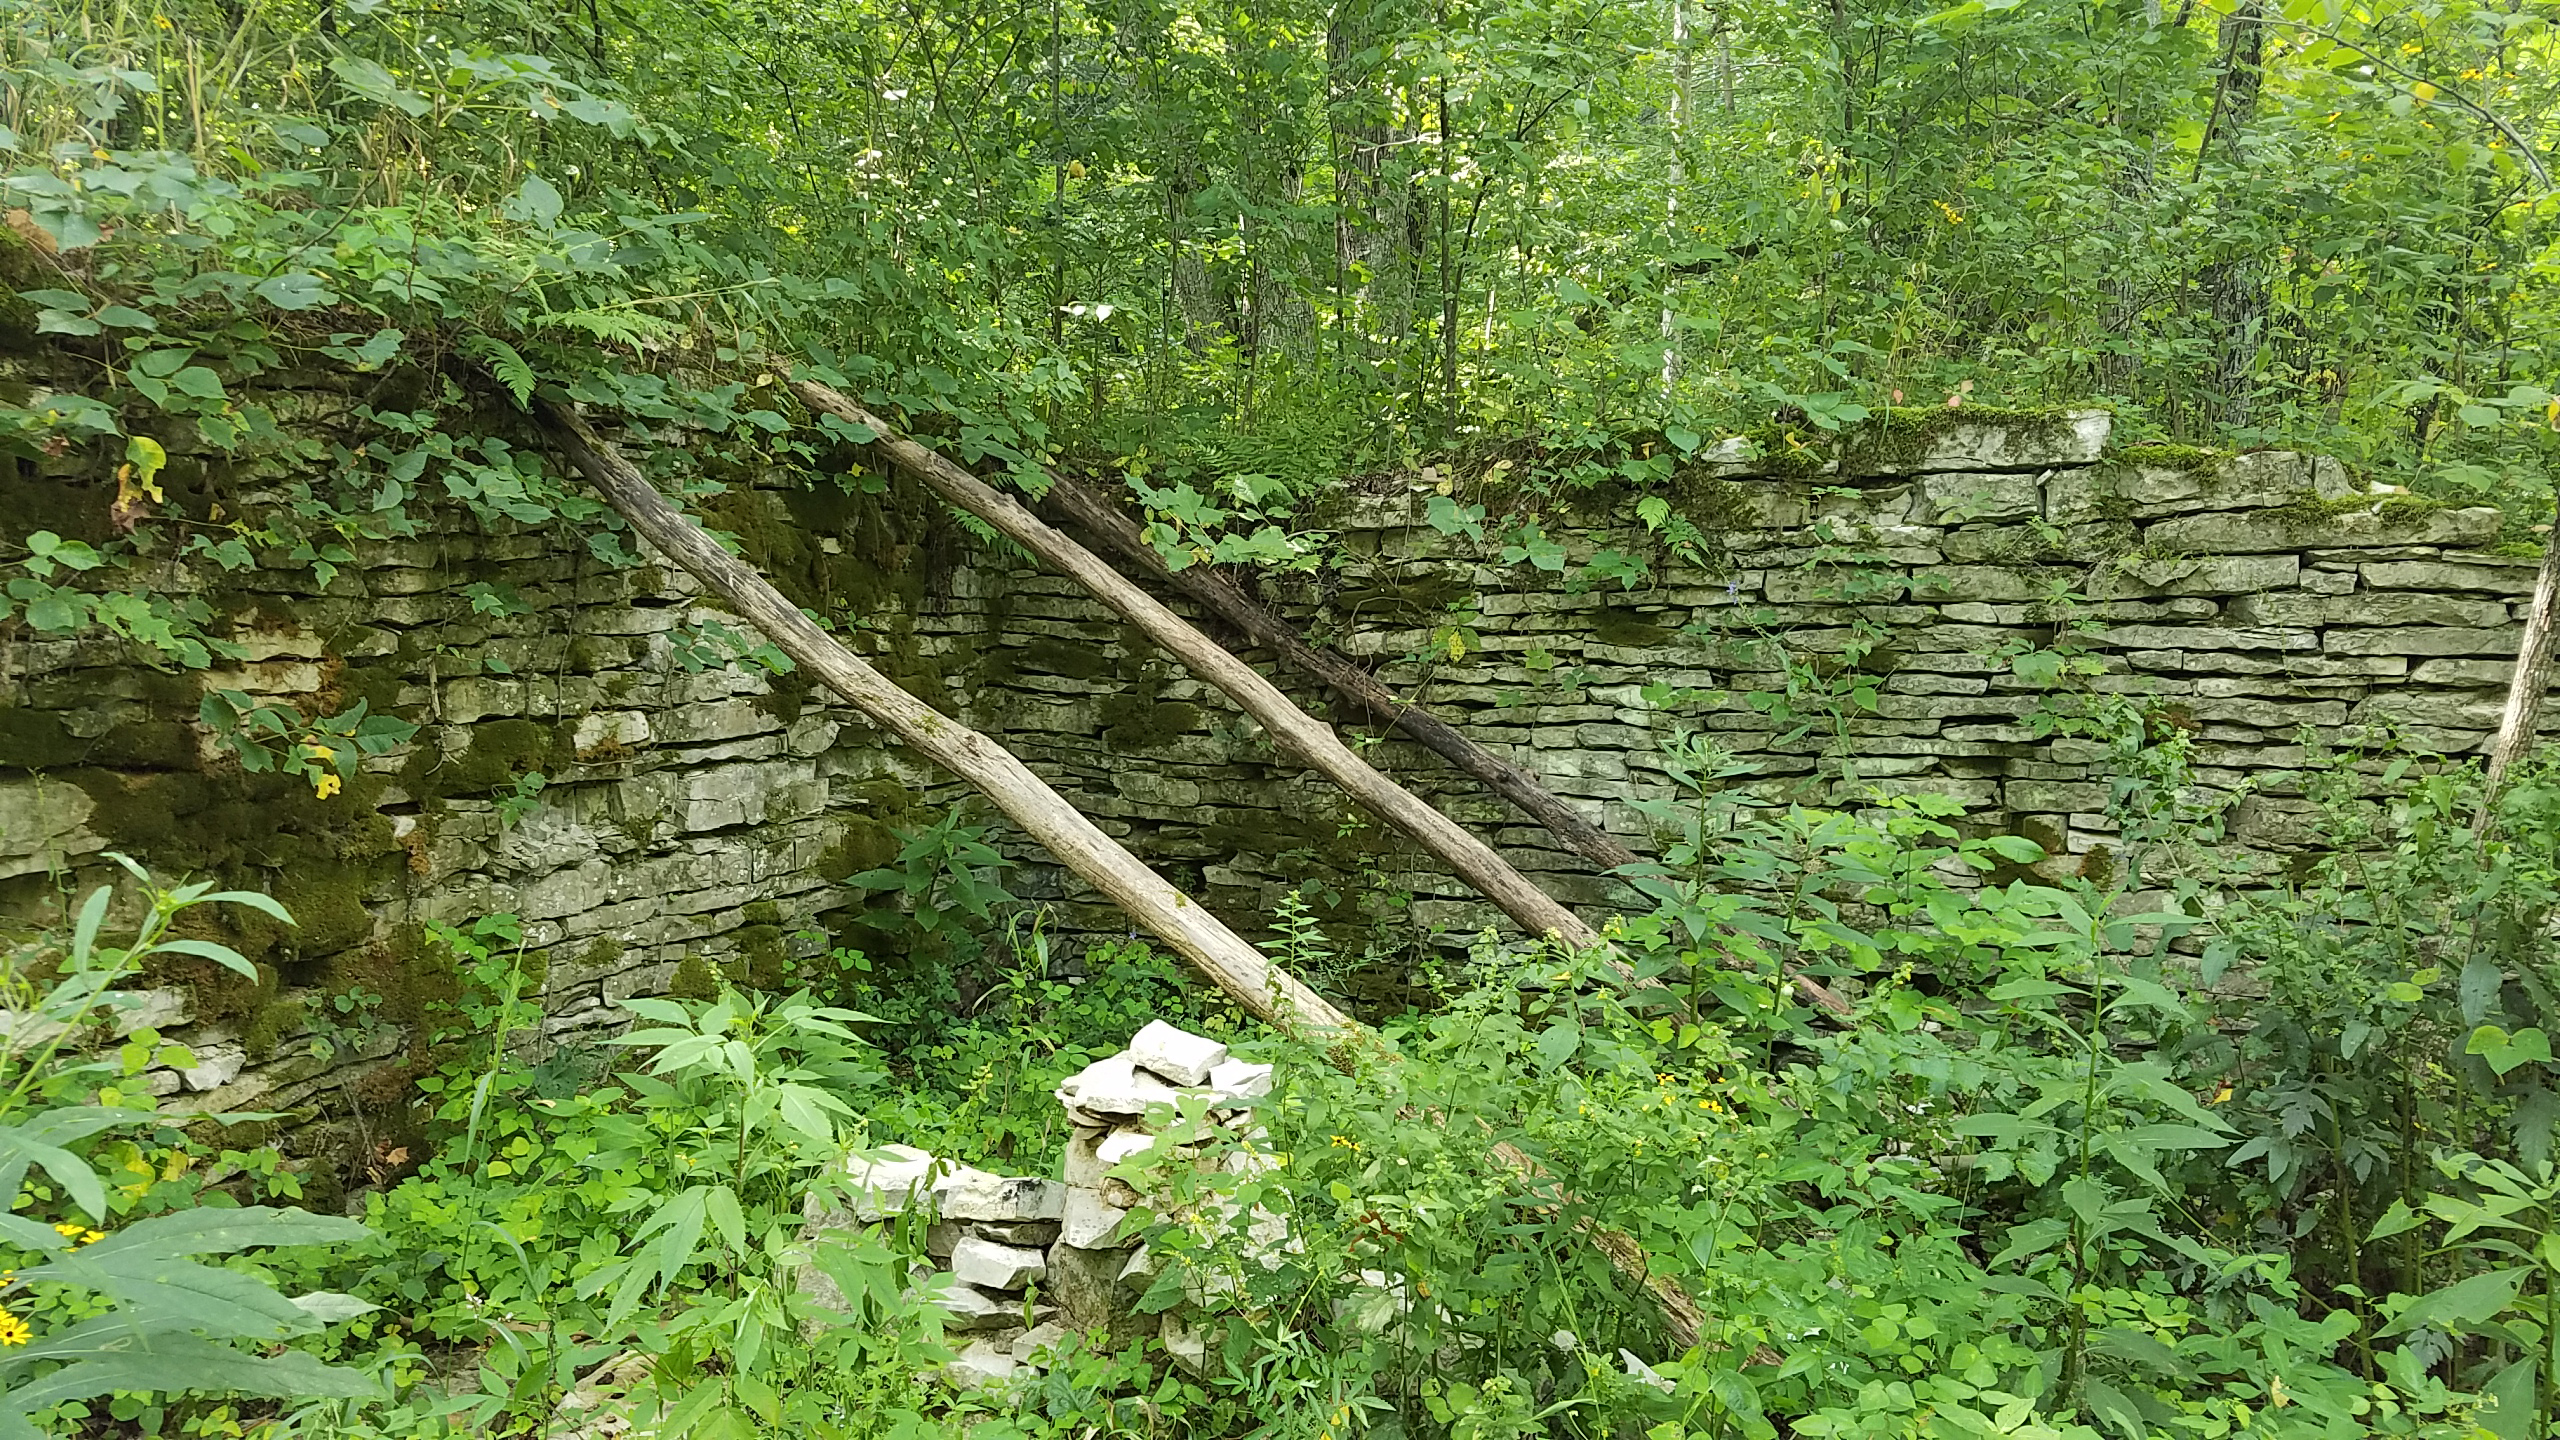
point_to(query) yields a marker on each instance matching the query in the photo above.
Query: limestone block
(1121, 1146)
(2089, 542)
(2476, 641)
(2204, 637)
(2273, 715)
(1989, 582)
(1187, 1346)
(1240, 1080)
(968, 1193)
(41, 825)
(1767, 504)
(2054, 797)
(1084, 1165)
(1155, 788)
(1040, 1341)
(886, 1181)
(161, 1010)
(2257, 480)
(2202, 575)
(2481, 673)
(2259, 531)
(1114, 1086)
(1088, 1223)
(217, 1064)
(2515, 579)
(2372, 608)
(990, 1266)
(2461, 710)
(1955, 497)
(2074, 437)
(983, 1363)
(1175, 1055)
(1038, 1234)
(1087, 1287)
(966, 1308)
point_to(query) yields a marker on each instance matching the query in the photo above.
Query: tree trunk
(2235, 286)
(1297, 733)
(1222, 597)
(2516, 728)
(1230, 962)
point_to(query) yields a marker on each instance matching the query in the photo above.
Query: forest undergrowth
(2147, 1154)
(2146, 1158)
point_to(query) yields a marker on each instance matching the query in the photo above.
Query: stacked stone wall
(696, 820)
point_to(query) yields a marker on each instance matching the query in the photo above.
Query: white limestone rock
(1175, 1055)
(1189, 1347)
(1238, 1081)
(969, 1193)
(1037, 1234)
(1114, 1087)
(982, 1364)
(990, 1266)
(1089, 1222)
(1040, 1341)
(966, 1307)
(1144, 1265)
(1084, 1164)
(888, 1180)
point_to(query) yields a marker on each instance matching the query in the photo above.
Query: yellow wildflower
(78, 1234)
(14, 1331)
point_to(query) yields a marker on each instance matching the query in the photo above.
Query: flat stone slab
(1038, 1341)
(1175, 1055)
(966, 1307)
(973, 1194)
(888, 1180)
(982, 1364)
(1240, 1080)
(1115, 1086)
(990, 1266)
(1089, 1221)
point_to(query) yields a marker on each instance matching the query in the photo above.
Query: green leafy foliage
(136, 1311)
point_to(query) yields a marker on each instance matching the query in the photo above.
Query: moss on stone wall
(495, 753)
(1898, 437)
(694, 979)
(37, 740)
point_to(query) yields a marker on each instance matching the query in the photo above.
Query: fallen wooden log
(1228, 959)
(1221, 596)
(1297, 733)
(1229, 962)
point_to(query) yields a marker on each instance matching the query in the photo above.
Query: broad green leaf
(214, 951)
(376, 84)
(40, 1142)
(295, 290)
(160, 1362)
(536, 202)
(2470, 1301)
(207, 1231)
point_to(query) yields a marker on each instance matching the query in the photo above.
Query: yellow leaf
(148, 460)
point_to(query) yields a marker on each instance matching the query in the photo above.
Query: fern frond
(503, 361)
(621, 325)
